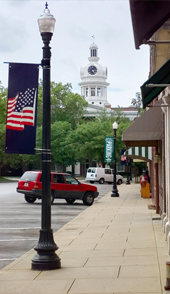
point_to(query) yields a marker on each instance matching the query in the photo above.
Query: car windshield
(29, 176)
(91, 170)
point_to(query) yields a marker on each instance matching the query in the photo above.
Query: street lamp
(115, 191)
(128, 172)
(46, 258)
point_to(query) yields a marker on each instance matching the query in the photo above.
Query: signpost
(108, 149)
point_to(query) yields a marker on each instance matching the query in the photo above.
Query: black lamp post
(46, 258)
(128, 172)
(115, 191)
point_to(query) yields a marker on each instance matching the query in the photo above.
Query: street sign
(108, 149)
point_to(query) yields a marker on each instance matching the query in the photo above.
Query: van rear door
(91, 174)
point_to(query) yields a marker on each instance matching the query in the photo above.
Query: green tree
(88, 138)
(14, 160)
(137, 103)
(62, 154)
(3, 105)
(65, 105)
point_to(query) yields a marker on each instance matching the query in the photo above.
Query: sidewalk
(114, 246)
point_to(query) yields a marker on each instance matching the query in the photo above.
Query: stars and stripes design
(21, 110)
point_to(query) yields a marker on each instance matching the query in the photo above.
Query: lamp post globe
(46, 21)
(115, 125)
(114, 191)
(46, 258)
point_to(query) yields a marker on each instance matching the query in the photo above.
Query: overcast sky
(76, 22)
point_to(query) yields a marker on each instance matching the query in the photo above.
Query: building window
(87, 92)
(92, 91)
(92, 103)
(100, 102)
(99, 92)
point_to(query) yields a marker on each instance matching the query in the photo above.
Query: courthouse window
(99, 92)
(92, 91)
(87, 92)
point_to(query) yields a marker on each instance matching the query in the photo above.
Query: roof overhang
(147, 18)
(162, 76)
(145, 130)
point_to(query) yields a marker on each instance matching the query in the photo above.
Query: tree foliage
(65, 105)
(137, 103)
(88, 138)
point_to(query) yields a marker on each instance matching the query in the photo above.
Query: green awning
(162, 76)
(140, 153)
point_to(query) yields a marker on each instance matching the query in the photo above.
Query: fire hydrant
(145, 186)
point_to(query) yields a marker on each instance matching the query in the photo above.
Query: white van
(101, 175)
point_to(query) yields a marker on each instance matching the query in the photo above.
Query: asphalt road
(20, 221)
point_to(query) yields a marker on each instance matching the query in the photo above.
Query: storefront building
(151, 26)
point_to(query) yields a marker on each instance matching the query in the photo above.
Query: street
(20, 221)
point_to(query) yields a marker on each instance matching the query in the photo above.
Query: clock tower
(93, 76)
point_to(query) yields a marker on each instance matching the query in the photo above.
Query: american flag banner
(22, 108)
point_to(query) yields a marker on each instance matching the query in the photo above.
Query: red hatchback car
(63, 186)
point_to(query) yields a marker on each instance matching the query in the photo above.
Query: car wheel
(70, 201)
(119, 182)
(30, 199)
(92, 182)
(88, 198)
(101, 181)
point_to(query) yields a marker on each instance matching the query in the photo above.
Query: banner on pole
(22, 108)
(108, 149)
(123, 156)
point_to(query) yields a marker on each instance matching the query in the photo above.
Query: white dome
(93, 46)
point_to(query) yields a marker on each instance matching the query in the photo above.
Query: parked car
(101, 175)
(63, 186)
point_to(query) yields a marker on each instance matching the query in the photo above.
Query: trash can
(145, 186)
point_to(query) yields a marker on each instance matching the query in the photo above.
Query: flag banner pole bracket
(44, 151)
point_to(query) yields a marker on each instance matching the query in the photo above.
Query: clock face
(92, 70)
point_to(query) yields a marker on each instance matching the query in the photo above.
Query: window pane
(87, 92)
(29, 176)
(71, 180)
(99, 92)
(92, 91)
(58, 179)
(107, 171)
